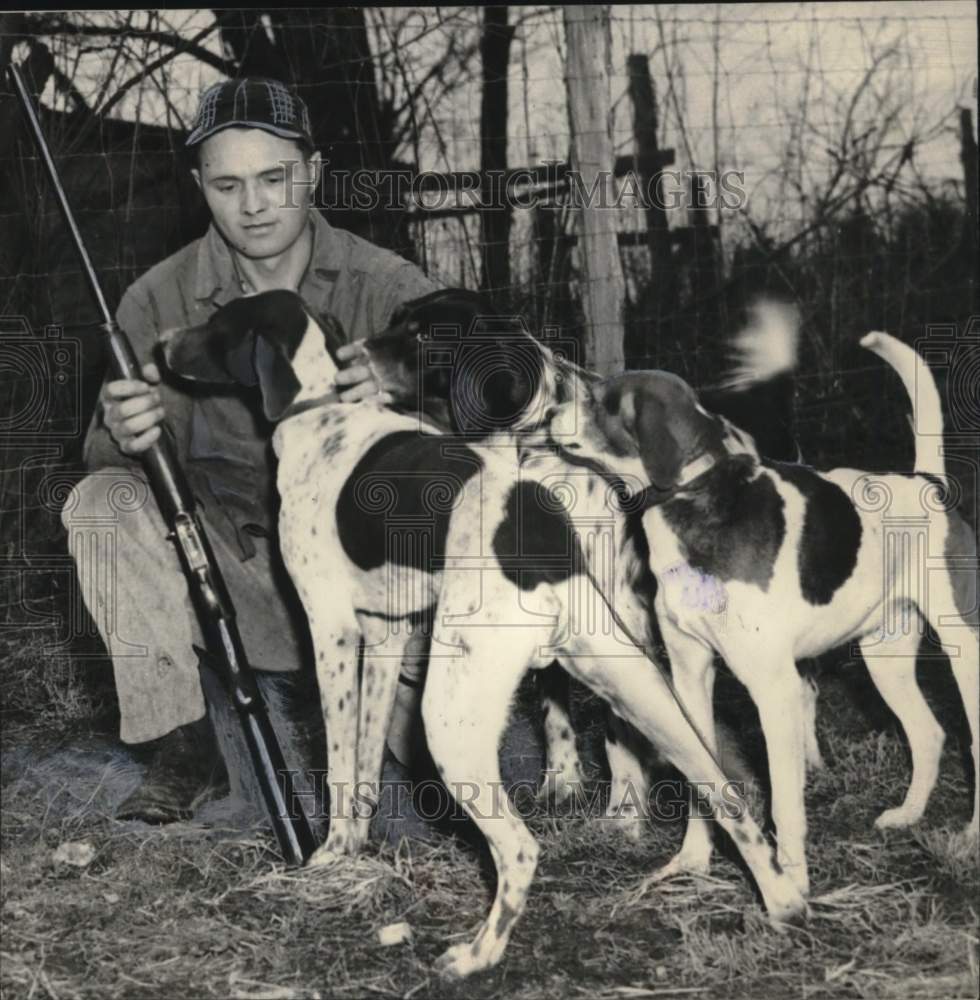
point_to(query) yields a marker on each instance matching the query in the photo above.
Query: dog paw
(629, 825)
(559, 787)
(458, 962)
(790, 911)
(681, 864)
(337, 846)
(322, 857)
(895, 819)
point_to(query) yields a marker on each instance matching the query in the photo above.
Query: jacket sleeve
(138, 320)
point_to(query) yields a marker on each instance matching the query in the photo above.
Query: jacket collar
(217, 280)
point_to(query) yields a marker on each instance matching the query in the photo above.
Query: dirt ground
(91, 907)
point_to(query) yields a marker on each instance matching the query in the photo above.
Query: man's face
(243, 175)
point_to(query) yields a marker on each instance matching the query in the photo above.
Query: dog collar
(694, 470)
(652, 496)
(295, 409)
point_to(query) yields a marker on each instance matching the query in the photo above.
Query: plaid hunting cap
(251, 102)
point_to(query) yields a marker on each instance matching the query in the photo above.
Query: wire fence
(789, 150)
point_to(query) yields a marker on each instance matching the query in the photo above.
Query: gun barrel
(34, 124)
(204, 580)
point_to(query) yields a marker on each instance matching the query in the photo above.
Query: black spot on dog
(731, 526)
(333, 444)
(340, 704)
(831, 533)
(961, 555)
(341, 641)
(564, 734)
(507, 916)
(534, 542)
(408, 479)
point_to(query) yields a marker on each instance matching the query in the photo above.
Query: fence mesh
(823, 154)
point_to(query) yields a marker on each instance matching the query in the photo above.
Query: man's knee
(106, 497)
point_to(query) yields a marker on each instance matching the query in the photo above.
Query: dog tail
(765, 348)
(927, 410)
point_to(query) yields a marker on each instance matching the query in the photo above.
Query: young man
(258, 171)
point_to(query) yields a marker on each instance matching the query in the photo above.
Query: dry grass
(178, 912)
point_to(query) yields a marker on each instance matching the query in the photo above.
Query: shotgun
(209, 594)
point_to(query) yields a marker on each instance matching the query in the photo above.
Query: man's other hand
(356, 381)
(132, 410)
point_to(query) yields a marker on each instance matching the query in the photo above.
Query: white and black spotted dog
(509, 570)
(766, 563)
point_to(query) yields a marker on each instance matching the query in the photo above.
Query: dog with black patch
(351, 474)
(765, 563)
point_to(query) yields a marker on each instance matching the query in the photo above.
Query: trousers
(132, 584)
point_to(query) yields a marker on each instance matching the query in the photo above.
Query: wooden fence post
(588, 41)
(968, 157)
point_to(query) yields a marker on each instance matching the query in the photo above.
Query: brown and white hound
(766, 563)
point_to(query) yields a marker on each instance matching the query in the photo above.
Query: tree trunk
(601, 274)
(495, 216)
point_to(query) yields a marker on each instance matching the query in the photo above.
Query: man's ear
(659, 451)
(277, 379)
(316, 168)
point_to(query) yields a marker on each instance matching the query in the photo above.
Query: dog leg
(563, 768)
(465, 706)
(383, 652)
(776, 688)
(693, 669)
(336, 645)
(628, 785)
(954, 613)
(639, 693)
(894, 676)
(811, 747)
(954, 618)
(966, 671)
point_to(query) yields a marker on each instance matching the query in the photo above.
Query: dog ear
(276, 377)
(220, 352)
(616, 416)
(660, 452)
(493, 383)
(196, 354)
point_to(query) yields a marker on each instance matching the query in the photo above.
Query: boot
(182, 767)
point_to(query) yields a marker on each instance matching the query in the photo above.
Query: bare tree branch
(42, 24)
